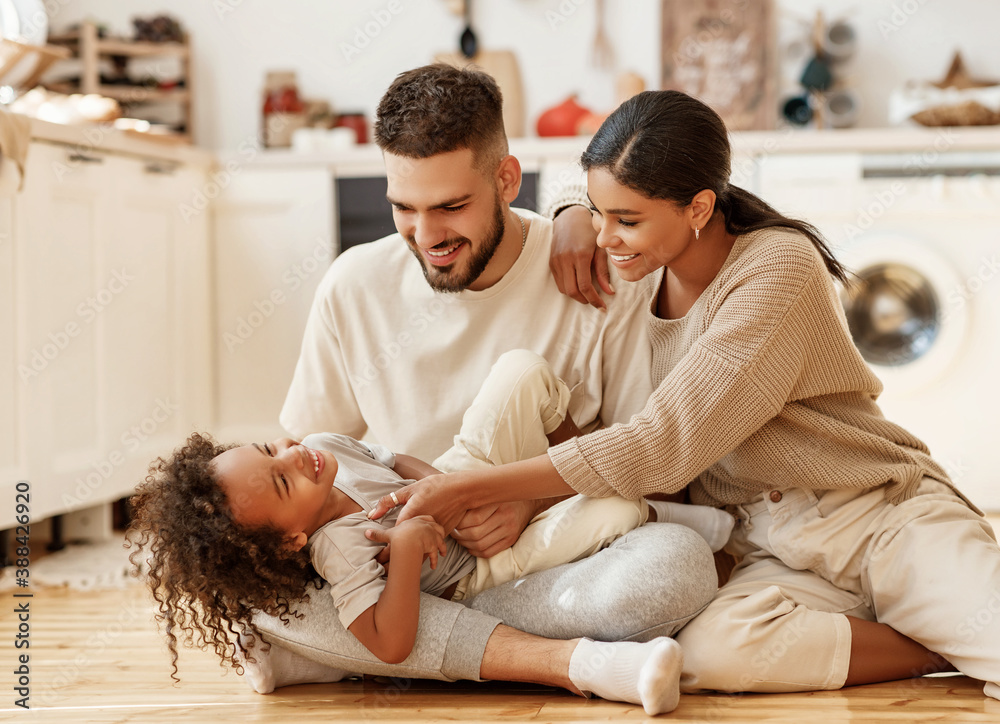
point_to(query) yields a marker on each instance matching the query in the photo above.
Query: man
(396, 349)
(402, 333)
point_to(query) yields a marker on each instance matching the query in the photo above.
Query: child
(234, 529)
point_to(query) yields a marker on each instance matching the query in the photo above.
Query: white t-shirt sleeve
(380, 453)
(348, 565)
(320, 396)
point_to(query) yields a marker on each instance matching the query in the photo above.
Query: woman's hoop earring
(697, 232)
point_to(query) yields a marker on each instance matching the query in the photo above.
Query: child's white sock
(713, 524)
(992, 689)
(647, 674)
(279, 667)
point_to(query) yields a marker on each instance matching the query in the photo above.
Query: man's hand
(575, 260)
(487, 530)
(420, 533)
(435, 495)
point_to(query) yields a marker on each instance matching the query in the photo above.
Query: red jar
(356, 122)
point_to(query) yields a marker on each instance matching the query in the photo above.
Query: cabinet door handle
(167, 169)
(84, 158)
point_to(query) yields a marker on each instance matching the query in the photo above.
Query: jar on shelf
(355, 120)
(283, 111)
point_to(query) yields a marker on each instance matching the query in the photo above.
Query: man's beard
(448, 279)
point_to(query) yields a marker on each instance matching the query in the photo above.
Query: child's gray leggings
(648, 583)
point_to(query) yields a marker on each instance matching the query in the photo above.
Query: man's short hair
(440, 108)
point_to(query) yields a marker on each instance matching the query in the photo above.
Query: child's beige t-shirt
(341, 553)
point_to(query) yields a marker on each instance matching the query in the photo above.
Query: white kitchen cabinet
(274, 239)
(111, 325)
(13, 466)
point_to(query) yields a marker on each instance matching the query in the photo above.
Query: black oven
(364, 214)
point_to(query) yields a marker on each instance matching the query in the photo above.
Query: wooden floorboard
(97, 657)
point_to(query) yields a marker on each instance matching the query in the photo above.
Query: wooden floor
(95, 657)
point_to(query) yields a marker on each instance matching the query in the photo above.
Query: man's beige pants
(521, 401)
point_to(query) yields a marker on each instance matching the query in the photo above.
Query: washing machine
(921, 231)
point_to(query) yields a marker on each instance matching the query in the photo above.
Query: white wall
(237, 41)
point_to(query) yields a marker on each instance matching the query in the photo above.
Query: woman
(860, 562)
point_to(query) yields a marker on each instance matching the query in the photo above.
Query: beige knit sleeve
(738, 374)
(572, 194)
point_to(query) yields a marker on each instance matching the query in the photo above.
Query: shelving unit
(13, 53)
(91, 49)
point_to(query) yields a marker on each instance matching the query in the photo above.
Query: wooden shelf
(12, 52)
(129, 94)
(91, 49)
(140, 48)
(144, 94)
(118, 46)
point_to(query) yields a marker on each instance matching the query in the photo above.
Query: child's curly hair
(208, 574)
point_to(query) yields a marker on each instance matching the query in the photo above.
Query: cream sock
(279, 667)
(647, 674)
(713, 524)
(992, 689)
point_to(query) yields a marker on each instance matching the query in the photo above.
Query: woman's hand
(575, 260)
(448, 497)
(420, 533)
(436, 495)
(489, 529)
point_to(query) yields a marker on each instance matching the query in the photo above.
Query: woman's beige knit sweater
(759, 387)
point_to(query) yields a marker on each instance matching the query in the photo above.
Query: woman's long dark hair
(668, 145)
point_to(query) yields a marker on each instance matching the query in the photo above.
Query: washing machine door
(895, 309)
(893, 313)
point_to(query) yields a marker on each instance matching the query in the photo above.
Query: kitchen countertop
(103, 137)
(364, 158)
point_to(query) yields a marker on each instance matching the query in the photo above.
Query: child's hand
(421, 533)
